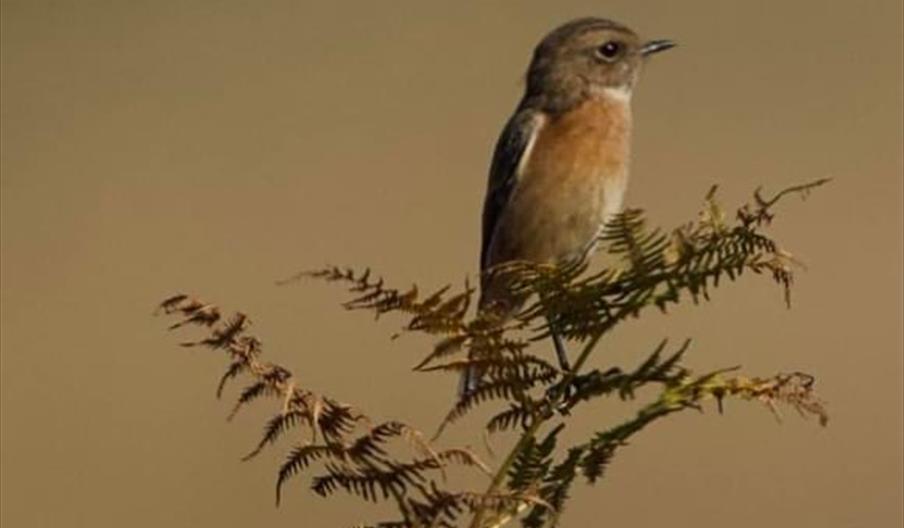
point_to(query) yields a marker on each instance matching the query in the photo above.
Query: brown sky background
(213, 147)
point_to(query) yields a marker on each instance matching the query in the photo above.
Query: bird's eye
(609, 50)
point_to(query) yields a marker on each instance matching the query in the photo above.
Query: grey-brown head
(586, 56)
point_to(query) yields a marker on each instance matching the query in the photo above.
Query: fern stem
(493, 488)
(595, 338)
(535, 425)
(585, 353)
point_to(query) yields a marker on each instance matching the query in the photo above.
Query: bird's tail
(468, 382)
(495, 307)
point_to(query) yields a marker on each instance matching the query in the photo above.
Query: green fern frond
(687, 392)
(533, 461)
(658, 269)
(554, 491)
(654, 369)
(640, 249)
(599, 451)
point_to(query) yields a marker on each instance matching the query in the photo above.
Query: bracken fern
(344, 450)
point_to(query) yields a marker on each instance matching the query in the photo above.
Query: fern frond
(297, 461)
(360, 464)
(516, 415)
(447, 346)
(389, 460)
(335, 419)
(235, 368)
(245, 347)
(270, 383)
(528, 278)
(369, 445)
(654, 369)
(641, 250)
(366, 482)
(198, 314)
(532, 462)
(521, 366)
(224, 336)
(437, 507)
(599, 451)
(554, 491)
(760, 212)
(251, 393)
(364, 465)
(513, 389)
(795, 390)
(437, 314)
(173, 303)
(445, 317)
(480, 339)
(441, 508)
(658, 269)
(463, 457)
(276, 427)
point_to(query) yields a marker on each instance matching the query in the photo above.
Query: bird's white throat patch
(621, 94)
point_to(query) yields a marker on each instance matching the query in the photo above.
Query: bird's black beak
(655, 46)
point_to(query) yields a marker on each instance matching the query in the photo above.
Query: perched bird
(560, 167)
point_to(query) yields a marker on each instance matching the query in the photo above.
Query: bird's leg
(565, 365)
(561, 352)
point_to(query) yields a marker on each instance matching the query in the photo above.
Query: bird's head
(588, 56)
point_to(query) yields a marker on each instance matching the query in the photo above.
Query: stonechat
(560, 167)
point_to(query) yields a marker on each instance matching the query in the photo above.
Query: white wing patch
(538, 121)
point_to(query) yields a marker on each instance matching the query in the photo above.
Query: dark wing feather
(514, 141)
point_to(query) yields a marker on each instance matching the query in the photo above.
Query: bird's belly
(561, 222)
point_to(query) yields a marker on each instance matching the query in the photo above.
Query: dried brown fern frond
(437, 313)
(352, 452)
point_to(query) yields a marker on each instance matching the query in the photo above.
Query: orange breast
(575, 174)
(592, 137)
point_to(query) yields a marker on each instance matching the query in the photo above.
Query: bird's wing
(511, 154)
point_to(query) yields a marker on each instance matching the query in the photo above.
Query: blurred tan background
(213, 147)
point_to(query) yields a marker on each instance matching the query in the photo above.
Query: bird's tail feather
(468, 382)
